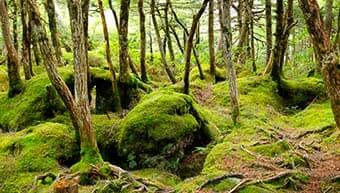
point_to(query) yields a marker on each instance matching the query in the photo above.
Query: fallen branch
(219, 178)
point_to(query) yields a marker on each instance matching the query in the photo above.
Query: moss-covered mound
(33, 151)
(39, 101)
(195, 75)
(160, 129)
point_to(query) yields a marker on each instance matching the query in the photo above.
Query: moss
(38, 102)
(299, 93)
(272, 150)
(160, 176)
(160, 121)
(33, 151)
(3, 79)
(220, 74)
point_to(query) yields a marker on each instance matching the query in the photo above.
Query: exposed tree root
(248, 182)
(320, 130)
(43, 178)
(218, 178)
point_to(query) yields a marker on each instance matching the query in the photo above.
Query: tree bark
(52, 22)
(123, 41)
(160, 44)
(79, 23)
(15, 83)
(329, 17)
(241, 53)
(189, 46)
(227, 56)
(26, 42)
(114, 82)
(142, 40)
(77, 106)
(329, 60)
(212, 41)
(269, 33)
(167, 31)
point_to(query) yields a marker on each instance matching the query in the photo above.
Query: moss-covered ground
(281, 144)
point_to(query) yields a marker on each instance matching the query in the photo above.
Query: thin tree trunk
(15, 83)
(189, 46)
(26, 42)
(160, 45)
(252, 38)
(178, 41)
(167, 31)
(329, 17)
(142, 40)
(330, 61)
(114, 82)
(241, 53)
(123, 41)
(269, 33)
(52, 18)
(212, 40)
(227, 55)
(150, 42)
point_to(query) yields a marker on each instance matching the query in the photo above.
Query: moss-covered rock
(39, 101)
(160, 128)
(35, 150)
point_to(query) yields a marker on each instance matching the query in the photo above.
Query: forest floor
(281, 144)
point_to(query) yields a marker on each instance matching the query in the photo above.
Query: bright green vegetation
(149, 136)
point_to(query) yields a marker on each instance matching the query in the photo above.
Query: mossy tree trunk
(212, 40)
(15, 83)
(114, 82)
(227, 56)
(244, 17)
(329, 17)
(142, 40)
(52, 22)
(190, 45)
(78, 105)
(160, 44)
(329, 60)
(167, 31)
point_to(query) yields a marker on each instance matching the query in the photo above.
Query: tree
(78, 106)
(114, 82)
(324, 50)
(123, 41)
(212, 40)
(227, 56)
(244, 17)
(190, 44)
(52, 21)
(269, 33)
(26, 42)
(13, 63)
(329, 17)
(160, 44)
(142, 40)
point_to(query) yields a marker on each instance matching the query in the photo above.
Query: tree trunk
(167, 31)
(227, 56)
(123, 41)
(78, 106)
(160, 44)
(241, 53)
(142, 40)
(78, 23)
(269, 33)
(26, 41)
(173, 30)
(52, 22)
(212, 41)
(114, 81)
(189, 46)
(252, 38)
(15, 83)
(329, 17)
(330, 61)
